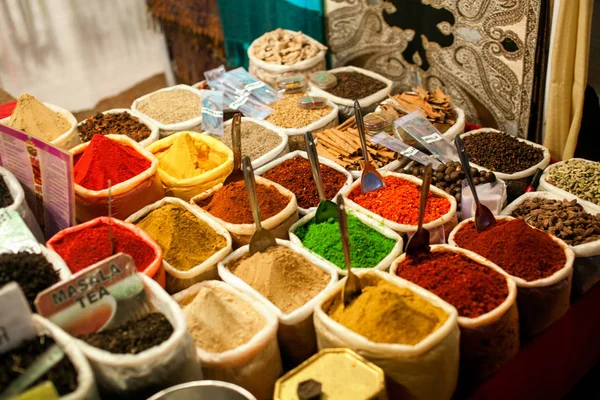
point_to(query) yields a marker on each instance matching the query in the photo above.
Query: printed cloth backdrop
(481, 52)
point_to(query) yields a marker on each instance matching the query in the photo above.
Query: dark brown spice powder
(5, 196)
(355, 86)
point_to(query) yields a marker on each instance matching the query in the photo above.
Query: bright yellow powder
(186, 158)
(35, 119)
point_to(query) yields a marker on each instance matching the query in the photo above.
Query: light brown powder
(34, 118)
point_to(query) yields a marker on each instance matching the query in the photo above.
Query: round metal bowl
(204, 390)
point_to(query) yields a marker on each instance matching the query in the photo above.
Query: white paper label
(16, 325)
(411, 151)
(255, 85)
(214, 113)
(434, 137)
(238, 103)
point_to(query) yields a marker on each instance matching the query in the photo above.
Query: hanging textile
(245, 20)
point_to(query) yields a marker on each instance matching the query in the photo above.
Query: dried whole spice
(579, 177)
(285, 48)
(6, 198)
(121, 123)
(288, 114)
(256, 140)
(564, 219)
(474, 289)
(172, 106)
(437, 106)
(355, 86)
(296, 176)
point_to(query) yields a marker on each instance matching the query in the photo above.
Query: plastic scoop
(262, 239)
(484, 218)
(370, 179)
(236, 144)
(351, 289)
(326, 209)
(419, 242)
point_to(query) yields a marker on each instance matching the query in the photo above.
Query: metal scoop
(484, 218)
(370, 179)
(326, 209)
(262, 238)
(236, 144)
(351, 289)
(419, 242)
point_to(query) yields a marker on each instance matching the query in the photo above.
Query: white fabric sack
(64, 273)
(171, 362)
(255, 365)
(86, 385)
(168, 129)
(427, 370)
(489, 341)
(586, 266)
(296, 332)
(154, 135)
(383, 265)
(177, 280)
(438, 228)
(281, 149)
(269, 72)
(543, 301)
(322, 161)
(278, 224)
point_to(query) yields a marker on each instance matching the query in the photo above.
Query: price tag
(16, 325)
(425, 133)
(402, 148)
(434, 137)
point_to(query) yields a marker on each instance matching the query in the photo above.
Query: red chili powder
(105, 159)
(472, 288)
(85, 247)
(231, 204)
(514, 246)
(399, 202)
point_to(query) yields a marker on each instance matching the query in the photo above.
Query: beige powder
(219, 320)
(284, 277)
(35, 119)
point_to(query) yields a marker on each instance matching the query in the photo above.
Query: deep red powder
(472, 288)
(88, 246)
(516, 247)
(105, 159)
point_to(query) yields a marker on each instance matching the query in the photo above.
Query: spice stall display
(229, 204)
(293, 172)
(12, 198)
(289, 281)
(407, 331)
(372, 245)
(192, 241)
(190, 163)
(130, 169)
(574, 178)
(540, 264)
(235, 336)
(119, 121)
(485, 298)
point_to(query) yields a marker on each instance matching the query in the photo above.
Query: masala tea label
(419, 127)
(103, 295)
(16, 325)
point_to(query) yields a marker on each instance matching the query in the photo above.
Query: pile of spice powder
(474, 289)
(15, 362)
(186, 159)
(231, 204)
(6, 198)
(34, 118)
(256, 140)
(367, 246)
(355, 86)
(296, 176)
(105, 159)
(288, 114)
(31, 271)
(501, 152)
(186, 240)
(286, 278)
(121, 123)
(386, 313)
(219, 320)
(132, 337)
(516, 247)
(399, 201)
(172, 106)
(88, 246)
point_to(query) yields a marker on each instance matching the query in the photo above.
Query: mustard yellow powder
(35, 119)
(185, 158)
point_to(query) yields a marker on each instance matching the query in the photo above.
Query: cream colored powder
(35, 119)
(219, 320)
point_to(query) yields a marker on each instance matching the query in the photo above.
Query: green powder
(367, 246)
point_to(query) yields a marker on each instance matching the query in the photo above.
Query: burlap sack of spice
(438, 229)
(185, 189)
(279, 224)
(367, 104)
(586, 265)
(177, 280)
(543, 301)
(296, 333)
(255, 365)
(490, 340)
(128, 196)
(86, 383)
(19, 204)
(427, 370)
